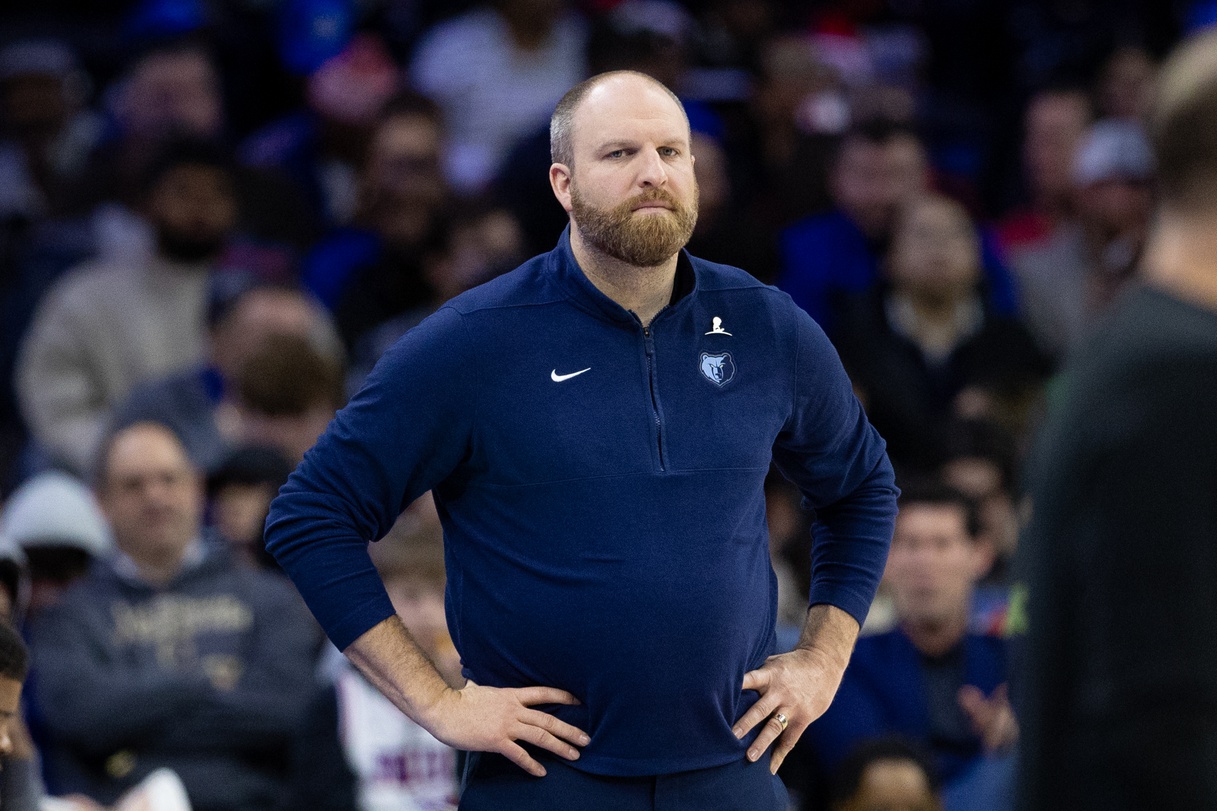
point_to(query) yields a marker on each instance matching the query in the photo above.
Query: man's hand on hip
(797, 687)
(474, 718)
(493, 719)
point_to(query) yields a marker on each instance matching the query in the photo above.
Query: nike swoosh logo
(557, 378)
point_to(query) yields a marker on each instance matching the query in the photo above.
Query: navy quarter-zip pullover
(601, 490)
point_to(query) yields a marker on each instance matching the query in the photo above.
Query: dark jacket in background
(208, 677)
(909, 399)
(1118, 696)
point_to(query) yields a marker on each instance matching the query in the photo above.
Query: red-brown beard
(641, 241)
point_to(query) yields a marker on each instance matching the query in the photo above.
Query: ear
(559, 181)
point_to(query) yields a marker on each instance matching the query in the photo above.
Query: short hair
(1181, 127)
(408, 103)
(228, 293)
(562, 123)
(286, 376)
(934, 491)
(14, 656)
(848, 778)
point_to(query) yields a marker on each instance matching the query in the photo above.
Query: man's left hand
(796, 686)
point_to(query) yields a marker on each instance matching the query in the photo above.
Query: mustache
(655, 195)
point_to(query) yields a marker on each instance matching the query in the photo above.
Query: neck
(1181, 257)
(933, 308)
(643, 291)
(160, 569)
(937, 637)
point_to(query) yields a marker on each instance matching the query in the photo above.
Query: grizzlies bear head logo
(718, 369)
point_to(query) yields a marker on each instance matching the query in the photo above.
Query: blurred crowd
(215, 215)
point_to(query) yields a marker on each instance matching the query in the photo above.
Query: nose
(653, 171)
(6, 743)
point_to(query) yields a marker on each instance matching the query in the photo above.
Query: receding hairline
(561, 124)
(105, 454)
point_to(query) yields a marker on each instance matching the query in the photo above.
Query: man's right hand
(493, 719)
(473, 718)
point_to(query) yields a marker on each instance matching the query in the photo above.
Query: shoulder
(86, 283)
(1148, 340)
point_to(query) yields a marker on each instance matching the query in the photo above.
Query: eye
(616, 153)
(669, 151)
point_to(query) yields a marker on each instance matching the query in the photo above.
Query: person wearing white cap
(1068, 281)
(55, 522)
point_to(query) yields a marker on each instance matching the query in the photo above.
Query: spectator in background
(930, 678)
(168, 654)
(357, 751)
(925, 346)
(880, 168)
(54, 519)
(171, 91)
(482, 242)
(377, 268)
(45, 136)
(47, 132)
(1126, 84)
(1054, 125)
(321, 149)
(110, 326)
(981, 463)
(497, 71)
(782, 169)
(1070, 280)
(199, 403)
(725, 231)
(286, 394)
(239, 494)
(890, 773)
(21, 795)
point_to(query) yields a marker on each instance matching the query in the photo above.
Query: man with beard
(596, 427)
(105, 328)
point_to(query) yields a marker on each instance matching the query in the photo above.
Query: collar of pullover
(565, 271)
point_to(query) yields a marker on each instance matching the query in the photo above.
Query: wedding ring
(781, 719)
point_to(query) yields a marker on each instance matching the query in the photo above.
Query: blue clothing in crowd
(892, 688)
(601, 487)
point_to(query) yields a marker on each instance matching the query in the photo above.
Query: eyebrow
(623, 143)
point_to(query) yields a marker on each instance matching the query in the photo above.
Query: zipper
(649, 344)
